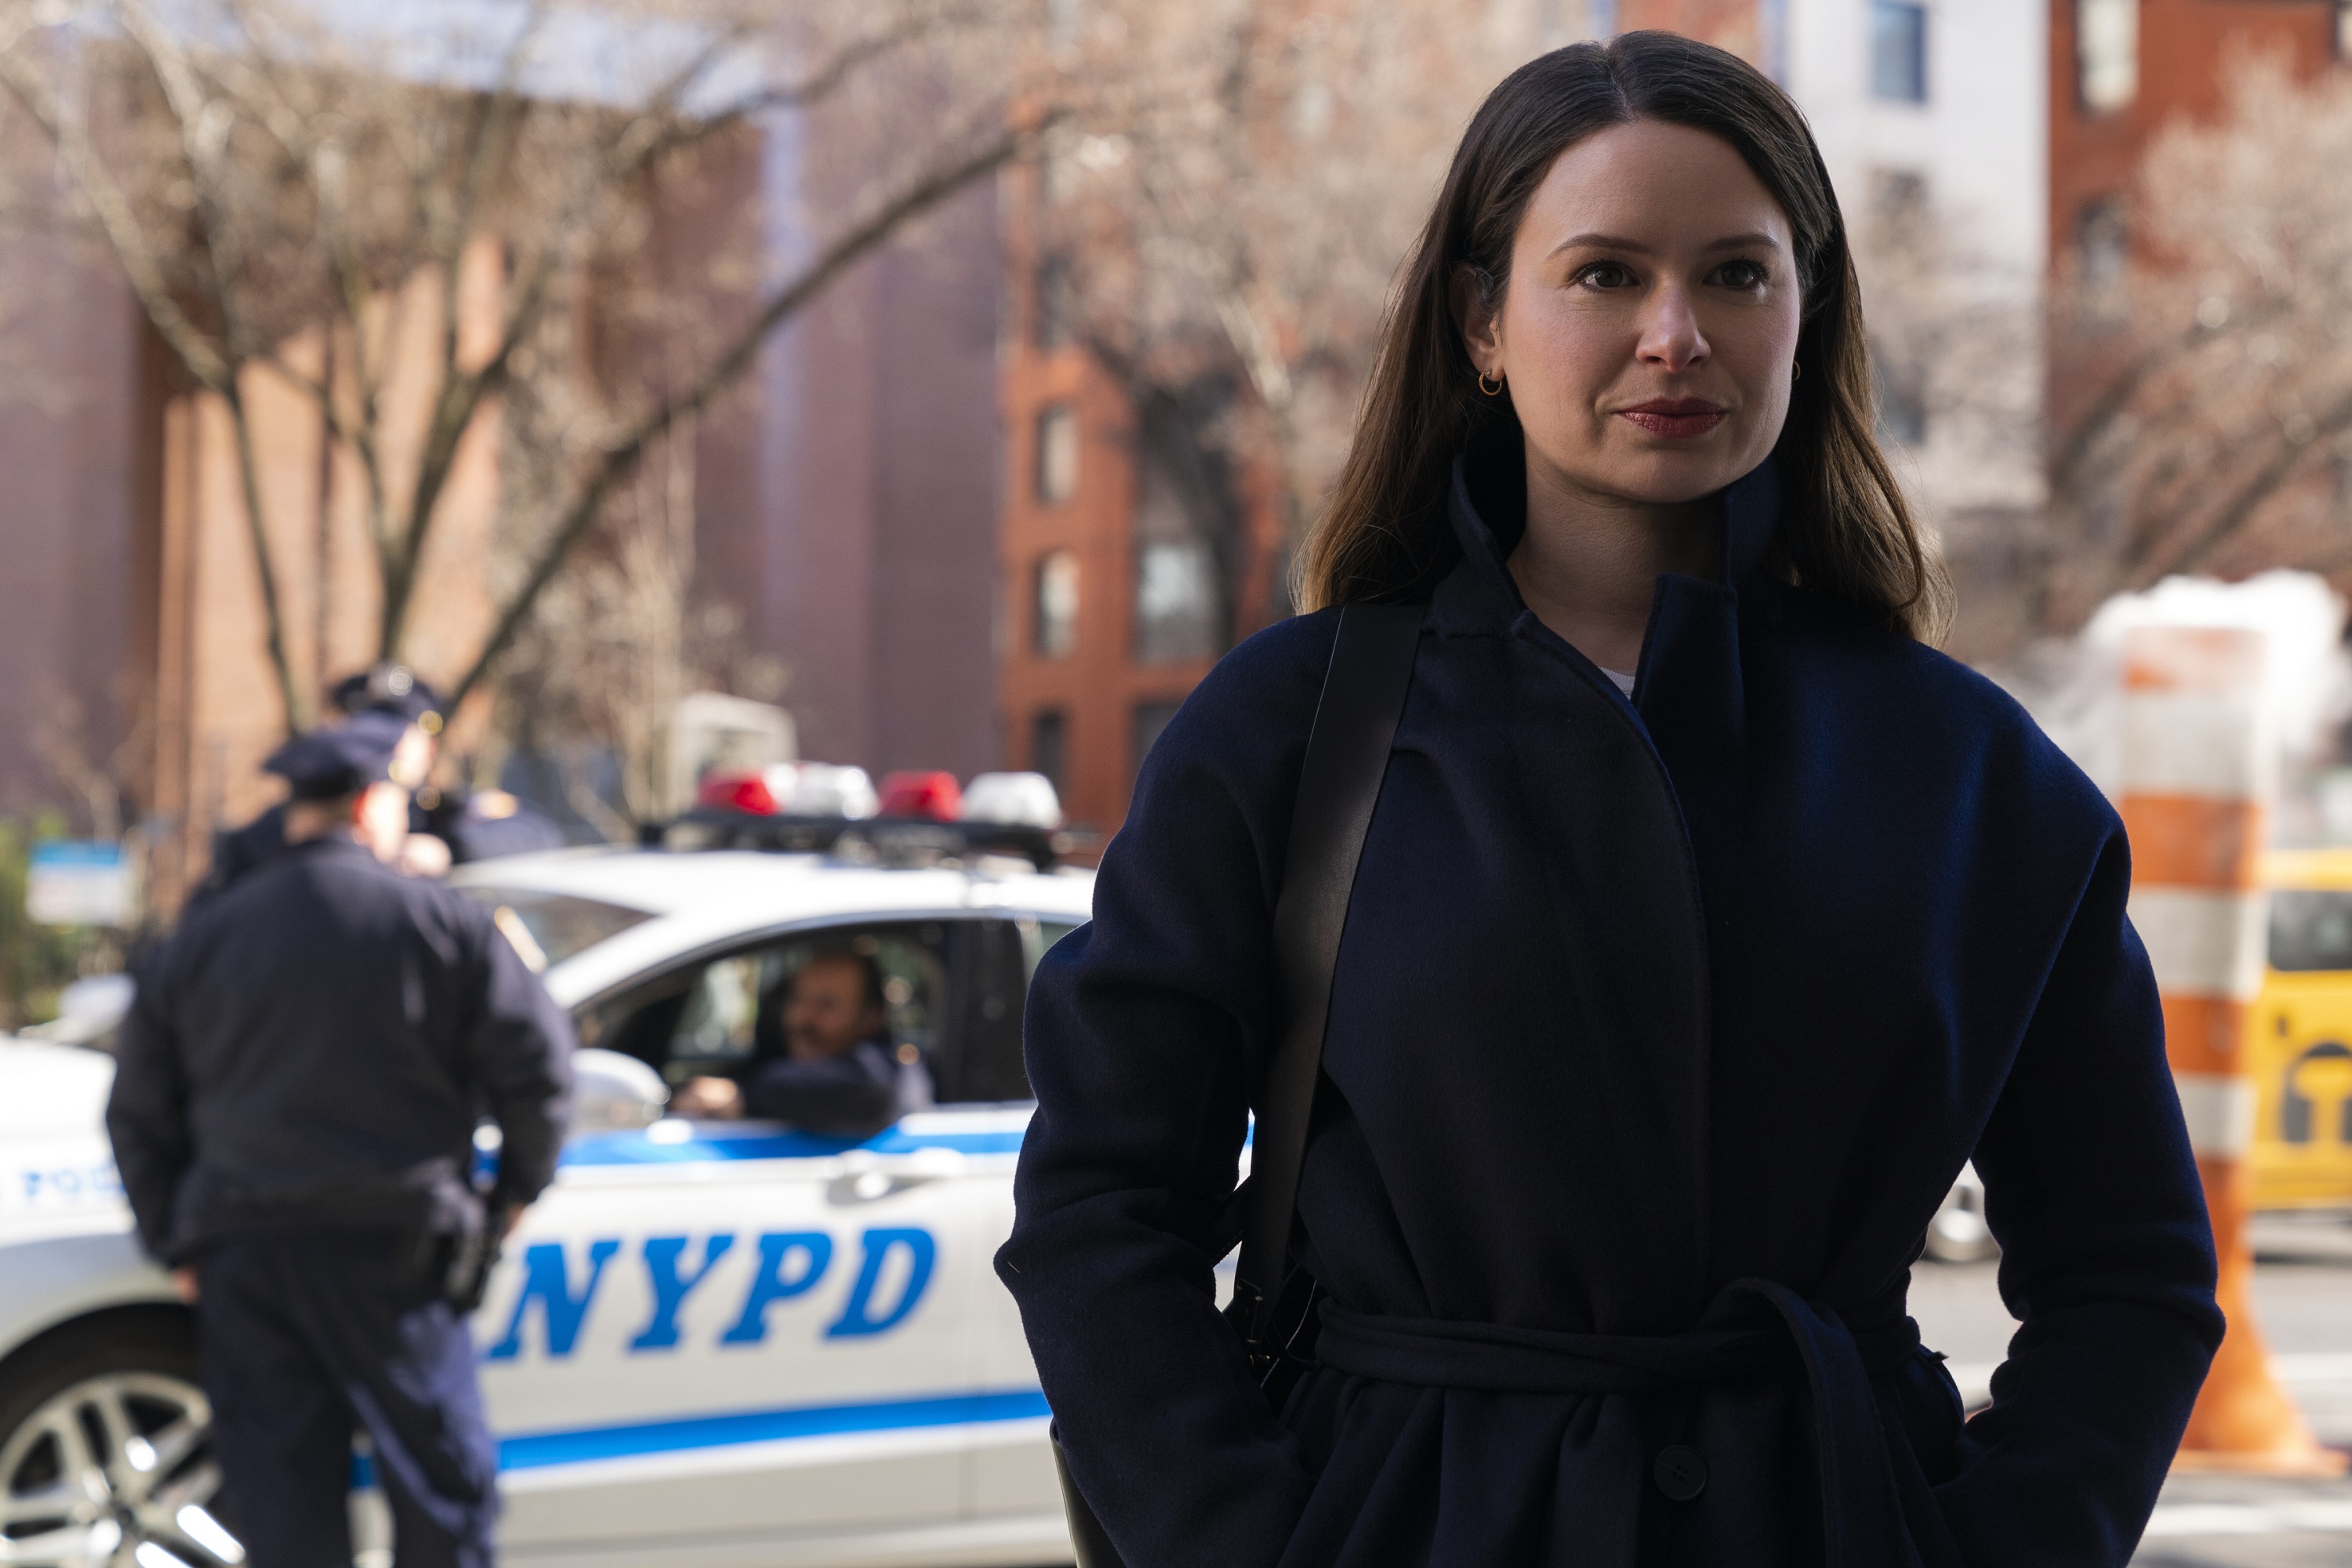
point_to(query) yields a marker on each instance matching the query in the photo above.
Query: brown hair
(1846, 530)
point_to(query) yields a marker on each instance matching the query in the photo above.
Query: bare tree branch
(2234, 381)
(618, 461)
(2269, 475)
(140, 264)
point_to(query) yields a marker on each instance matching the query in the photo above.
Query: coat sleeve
(520, 1045)
(1143, 1031)
(147, 1114)
(2107, 1261)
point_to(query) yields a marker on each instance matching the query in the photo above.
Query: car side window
(722, 1016)
(718, 1029)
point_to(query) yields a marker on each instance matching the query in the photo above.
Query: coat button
(1680, 1473)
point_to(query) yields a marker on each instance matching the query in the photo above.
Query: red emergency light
(735, 792)
(917, 794)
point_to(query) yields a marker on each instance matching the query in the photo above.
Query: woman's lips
(1679, 417)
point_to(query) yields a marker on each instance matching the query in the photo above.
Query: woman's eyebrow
(1634, 247)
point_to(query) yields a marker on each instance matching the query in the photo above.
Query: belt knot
(1753, 1331)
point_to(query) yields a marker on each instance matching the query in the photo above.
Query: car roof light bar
(894, 841)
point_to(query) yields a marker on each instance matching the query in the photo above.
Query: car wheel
(104, 1452)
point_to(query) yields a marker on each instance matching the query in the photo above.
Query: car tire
(104, 1446)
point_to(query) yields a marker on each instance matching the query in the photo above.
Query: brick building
(1110, 606)
(845, 504)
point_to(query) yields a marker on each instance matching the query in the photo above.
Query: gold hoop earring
(1489, 391)
(1797, 371)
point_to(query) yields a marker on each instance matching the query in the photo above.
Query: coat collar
(1690, 702)
(1486, 508)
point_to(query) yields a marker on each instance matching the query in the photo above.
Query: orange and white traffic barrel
(2198, 769)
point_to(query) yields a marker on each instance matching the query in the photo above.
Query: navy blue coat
(1637, 1001)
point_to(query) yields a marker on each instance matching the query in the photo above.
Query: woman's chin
(1663, 476)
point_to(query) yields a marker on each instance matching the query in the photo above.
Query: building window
(1057, 454)
(2106, 53)
(1150, 717)
(1054, 623)
(1054, 302)
(2103, 244)
(1175, 603)
(1049, 744)
(1600, 19)
(1898, 51)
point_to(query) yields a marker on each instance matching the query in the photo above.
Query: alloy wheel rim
(114, 1471)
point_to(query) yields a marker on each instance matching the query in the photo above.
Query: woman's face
(1648, 325)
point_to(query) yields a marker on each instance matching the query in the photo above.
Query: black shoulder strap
(1346, 757)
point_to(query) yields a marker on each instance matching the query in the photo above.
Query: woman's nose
(1671, 339)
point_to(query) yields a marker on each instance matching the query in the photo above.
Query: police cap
(327, 765)
(393, 688)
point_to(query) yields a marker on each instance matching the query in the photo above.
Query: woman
(1708, 922)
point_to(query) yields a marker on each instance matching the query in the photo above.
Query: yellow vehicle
(2299, 1035)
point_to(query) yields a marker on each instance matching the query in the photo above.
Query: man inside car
(823, 1061)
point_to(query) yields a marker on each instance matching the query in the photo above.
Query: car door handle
(871, 1186)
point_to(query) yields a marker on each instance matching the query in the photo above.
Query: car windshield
(558, 924)
(2311, 930)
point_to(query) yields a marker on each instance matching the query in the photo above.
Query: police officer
(392, 689)
(293, 1113)
(469, 827)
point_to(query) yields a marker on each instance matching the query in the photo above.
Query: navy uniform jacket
(237, 852)
(1638, 1001)
(316, 1045)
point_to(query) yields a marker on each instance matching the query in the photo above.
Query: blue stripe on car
(531, 1451)
(535, 1450)
(640, 1148)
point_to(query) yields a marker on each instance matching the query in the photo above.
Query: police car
(710, 1342)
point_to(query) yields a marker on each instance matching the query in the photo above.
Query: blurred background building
(842, 502)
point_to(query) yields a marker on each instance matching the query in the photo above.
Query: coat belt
(1747, 1335)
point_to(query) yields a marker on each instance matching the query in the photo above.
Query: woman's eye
(1741, 274)
(1605, 275)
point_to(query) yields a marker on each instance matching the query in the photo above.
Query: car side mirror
(613, 1093)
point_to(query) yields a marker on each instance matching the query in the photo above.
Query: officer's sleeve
(521, 1046)
(146, 1115)
(2107, 1260)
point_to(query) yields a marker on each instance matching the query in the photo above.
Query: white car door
(736, 1329)
(1008, 1464)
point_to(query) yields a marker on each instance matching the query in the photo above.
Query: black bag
(1272, 1307)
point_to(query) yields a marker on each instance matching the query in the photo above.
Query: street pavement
(2303, 1294)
